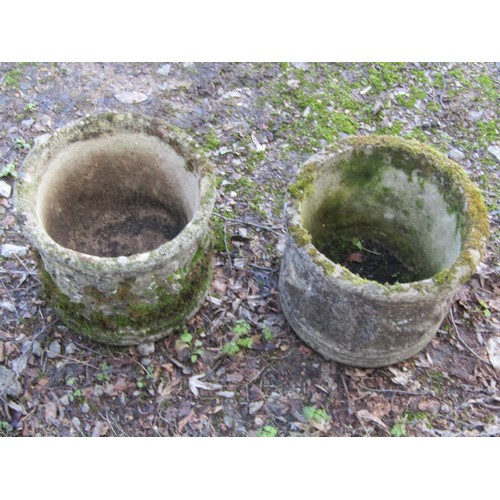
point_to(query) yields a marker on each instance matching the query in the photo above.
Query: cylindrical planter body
(409, 198)
(118, 208)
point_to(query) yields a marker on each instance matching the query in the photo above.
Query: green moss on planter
(168, 312)
(95, 294)
(362, 169)
(444, 277)
(303, 185)
(300, 235)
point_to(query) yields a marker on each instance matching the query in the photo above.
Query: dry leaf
(366, 415)
(120, 385)
(16, 407)
(19, 364)
(50, 412)
(234, 378)
(182, 423)
(401, 378)
(493, 348)
(356, 257)
(195, 383)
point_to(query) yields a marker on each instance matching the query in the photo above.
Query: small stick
(263, 268)
(15, 271)
(227, 249)
(393, 391)
(348, 399)
(239, 221)
(463, 342)
(11, 298)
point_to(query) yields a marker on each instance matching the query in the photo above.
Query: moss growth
(13, 77)
(300, 235)
(168, 312)
(211, 141)
(303, 185)
(384, 76)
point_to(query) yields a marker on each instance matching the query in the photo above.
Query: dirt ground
(257, 123)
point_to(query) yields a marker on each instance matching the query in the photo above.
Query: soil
(127, 229)
(241, 370)
(370, 260)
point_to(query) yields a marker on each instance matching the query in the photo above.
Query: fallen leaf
(366, 415)
(50, 412)
(400, 377)
(493, 348)
(131, 97)
(356, 257)
(120, 385)
(182, 423)
(195, 383)
(495, 304)
(16, 407)
(431, 406)
(43, 382)
(234, 377)
(100, 429)
(20, 363)
(257, 144)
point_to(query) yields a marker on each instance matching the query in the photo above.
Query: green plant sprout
(267, 431)
(194, 346)
(317, 415)
(240, 330)
(9, 169)
(267, 333)
(22, 144)
(399, 428)
(357, 243)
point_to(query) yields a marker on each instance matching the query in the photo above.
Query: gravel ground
(257, 123)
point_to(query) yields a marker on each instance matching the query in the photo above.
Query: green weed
(194, 345)
(267, 431)
(240, 341)
(9, 169)
(399, 427)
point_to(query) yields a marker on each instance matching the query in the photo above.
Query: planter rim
(474, 236)
(126, 123)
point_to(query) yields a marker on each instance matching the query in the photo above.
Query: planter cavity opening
(382, 231)
(114, 196)
(118, 206)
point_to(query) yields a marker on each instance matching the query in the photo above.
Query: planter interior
(113, 196)
(380, 196)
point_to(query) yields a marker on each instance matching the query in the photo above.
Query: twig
(393, 391)
(15, 271)
(348, 399)
(11, 298)
(227, 249)
(463, 342)
(75, 360)
(264, 268)
(239, 221)
(28, 271)
(110, 424)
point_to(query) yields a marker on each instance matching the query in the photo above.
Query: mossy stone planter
(407, 197)
(118, 208)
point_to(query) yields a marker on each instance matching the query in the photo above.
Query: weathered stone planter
(406, 196)
(118, 207)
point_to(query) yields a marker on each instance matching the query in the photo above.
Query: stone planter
(118, 208)
(412, 200)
